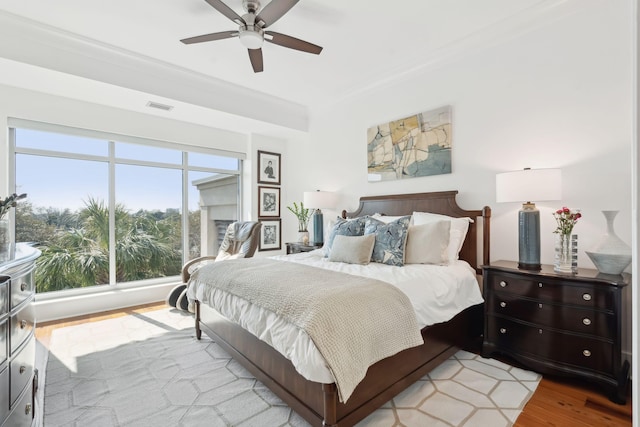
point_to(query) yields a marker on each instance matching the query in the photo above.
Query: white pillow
(457, 233)
(386, 218)
(428, 243)
(352, 249)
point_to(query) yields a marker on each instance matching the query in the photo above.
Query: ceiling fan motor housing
(250, 34)
(251, 6)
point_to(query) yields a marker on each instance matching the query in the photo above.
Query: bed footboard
(318, 403)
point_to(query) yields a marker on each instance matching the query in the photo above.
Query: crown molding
(523, 22)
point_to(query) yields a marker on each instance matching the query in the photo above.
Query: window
(108, 209)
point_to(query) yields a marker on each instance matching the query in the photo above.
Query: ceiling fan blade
(292, 42)
(226, 11)
(255, 55)
(274, 11)
(210, 37)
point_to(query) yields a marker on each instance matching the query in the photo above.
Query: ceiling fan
(251, 29)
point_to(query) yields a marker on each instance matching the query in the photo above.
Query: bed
(319, 402)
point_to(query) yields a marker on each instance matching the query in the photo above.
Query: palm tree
(79, 257)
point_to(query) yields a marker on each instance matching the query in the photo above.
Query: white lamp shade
(319, 199)
(529, 185)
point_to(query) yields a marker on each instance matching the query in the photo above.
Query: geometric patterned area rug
(149, 370)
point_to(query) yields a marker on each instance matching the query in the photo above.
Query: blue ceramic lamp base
(529, 237)
(318, 232)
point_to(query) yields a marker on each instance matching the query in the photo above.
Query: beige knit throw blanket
(353, 321)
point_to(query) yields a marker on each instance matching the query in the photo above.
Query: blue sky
(66, 183)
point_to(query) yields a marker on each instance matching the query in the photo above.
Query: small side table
(297, 247)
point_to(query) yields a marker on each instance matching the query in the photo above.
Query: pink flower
(566, 220)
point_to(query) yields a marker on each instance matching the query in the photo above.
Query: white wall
(558, 96)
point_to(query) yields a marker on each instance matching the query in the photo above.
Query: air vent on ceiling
(159, 106)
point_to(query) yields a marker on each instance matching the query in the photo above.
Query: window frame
(112, 139)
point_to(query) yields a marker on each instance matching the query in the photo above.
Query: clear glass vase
(303, 237)
(566, 254)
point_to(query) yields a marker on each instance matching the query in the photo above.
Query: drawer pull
(503, 304)
(503, 284)
(586, 297)
(540, 305)
(586, 353)
(27, 409)
(23, 324)
(586, 321)
(539, 284)
(23, 286)
(503, 330)
(23, 369)
(540, 331)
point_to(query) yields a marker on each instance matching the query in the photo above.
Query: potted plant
(303, 214)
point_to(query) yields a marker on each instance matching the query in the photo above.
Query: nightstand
(297, 247)
(557, 323)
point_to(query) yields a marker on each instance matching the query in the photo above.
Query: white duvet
(437, 294)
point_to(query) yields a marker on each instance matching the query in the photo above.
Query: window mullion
(185, 207)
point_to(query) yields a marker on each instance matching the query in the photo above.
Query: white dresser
(17, 340)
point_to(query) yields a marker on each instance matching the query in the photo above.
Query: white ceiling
(135, 44)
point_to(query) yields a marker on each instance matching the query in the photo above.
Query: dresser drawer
(21, 369)
(4, 340)
(22, 287)
(22, 326)
(570, 318)
(4, 396)
(551, 290)
(22, 412)
(555, 346)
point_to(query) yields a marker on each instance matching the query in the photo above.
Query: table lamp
(527, 186)
(318, 200)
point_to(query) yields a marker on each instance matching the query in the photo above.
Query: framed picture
(268, 168)
(268, 201)
(270, 235)
(411, 147)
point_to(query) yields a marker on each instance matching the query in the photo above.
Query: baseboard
(80, 305)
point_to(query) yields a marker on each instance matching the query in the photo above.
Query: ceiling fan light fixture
(251, 29)
(251, 39)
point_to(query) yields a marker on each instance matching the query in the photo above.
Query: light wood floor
(556, 402)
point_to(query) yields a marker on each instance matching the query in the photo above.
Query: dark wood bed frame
(318, 403)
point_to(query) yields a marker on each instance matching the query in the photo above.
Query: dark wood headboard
(441, 202)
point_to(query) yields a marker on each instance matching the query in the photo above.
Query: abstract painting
(414, 146)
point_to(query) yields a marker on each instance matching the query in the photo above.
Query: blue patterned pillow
(391, 239)
(344, 227)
